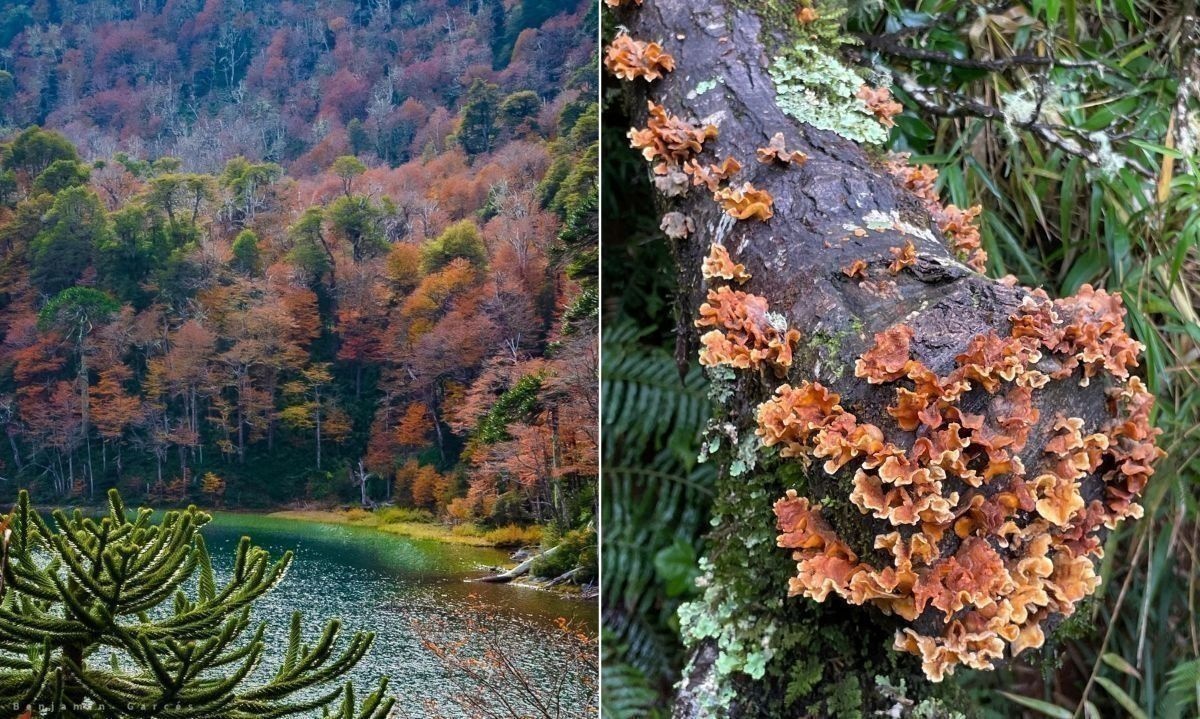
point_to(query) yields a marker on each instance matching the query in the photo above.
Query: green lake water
(401, 589)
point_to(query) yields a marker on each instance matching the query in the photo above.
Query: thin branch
(1137, 553)
(890, 45)
(963, 106)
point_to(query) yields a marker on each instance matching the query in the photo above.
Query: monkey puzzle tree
(76, 311)
(124, 616)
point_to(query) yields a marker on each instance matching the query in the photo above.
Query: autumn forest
(255, 254)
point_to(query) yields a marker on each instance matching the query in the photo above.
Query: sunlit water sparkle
(386, 584)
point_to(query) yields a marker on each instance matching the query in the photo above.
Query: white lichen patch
(1019, 107)
(724, 227)
(715, 119)
(1109, 162)
(880, 222)
(876, 220)
(816, 88)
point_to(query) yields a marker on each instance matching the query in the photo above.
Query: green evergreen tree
(519, 107)
(166, 164)
(8, 88)
(122, 616)
(478, 129)
(357, 220)
(8, 186)
(25, 222)
(247, 182)
(60, 175)
(517, 404)
(137, 247)
(309, 249)
(246, 256)
(76, 311)
(347, 167)
(357, 135)
(36, 149)
(74, 227)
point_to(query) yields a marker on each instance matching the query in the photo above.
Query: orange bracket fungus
(669, 139)
(745, 334)
(857, 268)
(904, 256)
(960, 227)
(677, 225)
(879, 101)
(631, 59)
(776, 151)
(745, 202)
(719, 265)
(711, 176)
(978, 550)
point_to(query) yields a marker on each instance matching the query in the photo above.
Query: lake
(392, 585)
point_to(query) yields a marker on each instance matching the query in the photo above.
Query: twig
(1137, 553)
(963, 106)
(889, 45)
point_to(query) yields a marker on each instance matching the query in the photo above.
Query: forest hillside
(255, 253)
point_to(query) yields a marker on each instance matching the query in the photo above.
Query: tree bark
(796, 260)
(518, 571)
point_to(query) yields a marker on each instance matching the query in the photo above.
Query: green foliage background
(1054, 220)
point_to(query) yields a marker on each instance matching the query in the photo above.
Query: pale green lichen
(721, 380)
(896, 693)
(705, 86)
(818, 89)
(879, 221)
(744, 460)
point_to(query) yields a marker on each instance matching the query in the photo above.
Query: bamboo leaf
(1122, 698)
(1050, 710)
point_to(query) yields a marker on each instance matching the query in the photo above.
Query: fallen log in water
(518, 571)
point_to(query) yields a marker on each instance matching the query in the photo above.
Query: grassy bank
(407, 523)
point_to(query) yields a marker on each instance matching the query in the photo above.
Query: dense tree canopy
(337, 278)
(299, 82)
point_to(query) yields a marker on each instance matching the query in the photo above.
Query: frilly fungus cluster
(972, 548)
(745, 202)
(903, 256)
(631, 59)
(776, 151)
(879, 101)
(744, 333)
(960, 227)
(982, 548)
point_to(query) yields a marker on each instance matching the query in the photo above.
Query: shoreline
(413, 530)
(435, 531)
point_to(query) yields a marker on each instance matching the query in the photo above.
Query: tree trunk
(16, 451)
(518, 571)
(85, 408)
(792, 656)
(241, 421)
